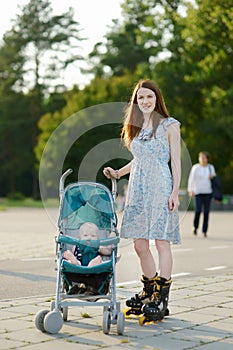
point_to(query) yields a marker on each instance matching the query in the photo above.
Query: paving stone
(202, 320)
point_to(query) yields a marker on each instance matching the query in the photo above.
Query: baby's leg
(69, 256)
(96, 261)
(105, 250)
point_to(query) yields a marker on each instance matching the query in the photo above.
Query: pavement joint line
(181, 250)
(29, 297)
(215, 268)
(181, 274)
(219, 247)
(126, 283)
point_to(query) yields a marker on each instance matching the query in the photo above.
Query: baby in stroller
(88, 220)
(88, 231)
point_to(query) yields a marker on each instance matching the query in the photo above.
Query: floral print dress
(146, 212)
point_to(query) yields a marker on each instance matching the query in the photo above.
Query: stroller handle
(114, 188)
(69, 171)
(63, 178)
(114, 185)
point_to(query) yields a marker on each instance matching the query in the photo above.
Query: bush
(16, 196)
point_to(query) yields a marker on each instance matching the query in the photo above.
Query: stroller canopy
(87, 202)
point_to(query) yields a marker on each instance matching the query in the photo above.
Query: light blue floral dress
(146, 212)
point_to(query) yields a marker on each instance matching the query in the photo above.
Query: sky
(93, 16)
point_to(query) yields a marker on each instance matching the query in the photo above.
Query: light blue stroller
(82, 285)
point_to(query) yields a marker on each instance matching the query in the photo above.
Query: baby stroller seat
(84, 279)
(82, 285)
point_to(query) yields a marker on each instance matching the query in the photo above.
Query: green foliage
(132, 42)
(83, 111)
(43, 46)
(185, 47)
(32, 56)
(208, 42)
(100, 90)
(19, 201)
(16, 196)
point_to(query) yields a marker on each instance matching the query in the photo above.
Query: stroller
(79, 285)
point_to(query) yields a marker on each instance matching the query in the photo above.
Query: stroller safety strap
(91, 243)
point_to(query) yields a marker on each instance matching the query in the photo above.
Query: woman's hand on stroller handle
(110, 173)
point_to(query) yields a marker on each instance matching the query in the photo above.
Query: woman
(150, 211)
(199, 187)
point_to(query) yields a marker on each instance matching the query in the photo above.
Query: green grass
(6, 203)
(85, 315)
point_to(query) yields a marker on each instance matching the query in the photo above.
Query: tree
(47, 44)
(93, 123)
(208, 42)
(137, 40)
(33, 56)
(16, 158)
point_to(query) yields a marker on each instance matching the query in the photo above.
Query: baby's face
(89, 235)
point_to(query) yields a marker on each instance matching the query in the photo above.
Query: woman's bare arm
(119, 173)
(175, 148)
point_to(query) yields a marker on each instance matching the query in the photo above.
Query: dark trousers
(202, 201)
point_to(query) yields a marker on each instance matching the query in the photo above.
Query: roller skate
(135, 303)
(157, 309)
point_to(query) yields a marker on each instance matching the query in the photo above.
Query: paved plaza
(201, 309)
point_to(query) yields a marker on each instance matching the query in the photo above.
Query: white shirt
(199, 178)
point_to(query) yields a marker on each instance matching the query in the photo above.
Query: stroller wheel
(64, 310)
(52, 305)
(65, 313)
(106, 322)
(110, 307)
(120, 323)
(118, 305)
(39, 320)
(53, 322)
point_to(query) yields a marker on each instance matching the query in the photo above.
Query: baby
(88, 231)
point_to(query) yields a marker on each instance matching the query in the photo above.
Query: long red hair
(133, 118)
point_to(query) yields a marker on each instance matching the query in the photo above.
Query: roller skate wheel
(137, 312)
(142, 320)
(127, 312)
(145, 320)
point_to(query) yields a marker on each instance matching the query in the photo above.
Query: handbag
(216, 187)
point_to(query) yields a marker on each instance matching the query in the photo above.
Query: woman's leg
(157, 308)
(165, 258)
(147, 262)
(206, 203)
(198, 209)
(149, 276)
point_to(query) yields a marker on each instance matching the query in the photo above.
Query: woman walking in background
(199, 187)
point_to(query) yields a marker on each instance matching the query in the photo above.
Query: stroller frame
(51, 321)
